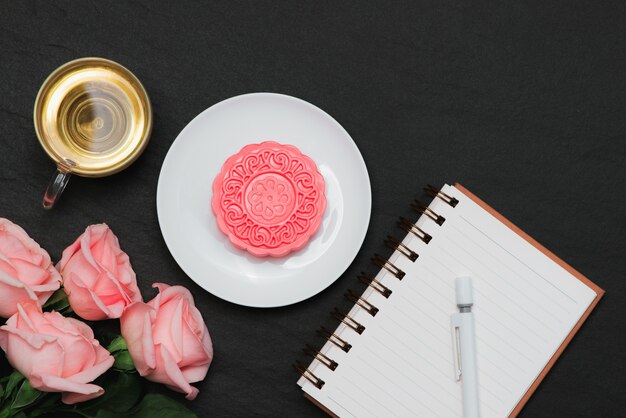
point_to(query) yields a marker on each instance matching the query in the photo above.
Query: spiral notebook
(391, 354)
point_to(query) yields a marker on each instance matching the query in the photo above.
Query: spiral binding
(363, 303)
(375, 284)
(328, 335)
(401, 248)
(409, 226)
(383, 263)
(348, 320)
(432, 190)
(421, 208)
(321, 357)
(308, 374)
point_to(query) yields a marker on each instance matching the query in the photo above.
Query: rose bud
(168, 340)
(55, 354)
(26, 272)
(97, 275)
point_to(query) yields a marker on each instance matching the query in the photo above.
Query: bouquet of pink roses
(59, 364)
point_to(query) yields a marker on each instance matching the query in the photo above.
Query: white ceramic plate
(188, 224)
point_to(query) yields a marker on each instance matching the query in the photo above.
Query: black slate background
(523, 102)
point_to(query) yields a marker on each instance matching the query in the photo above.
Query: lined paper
(402, 365)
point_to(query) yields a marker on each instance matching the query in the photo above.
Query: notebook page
(525, 305)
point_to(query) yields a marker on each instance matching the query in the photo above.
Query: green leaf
(57, 296)
(118, 344)
(13, 383)
(57, 302)
(25, 396)
(121, 393)
(152, 405)
(48, 402)
(123, 361)
(119, 349)
(1, 391)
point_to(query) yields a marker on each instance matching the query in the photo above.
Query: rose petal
(195, 373)
(70, 398)
(136, 328)
(198, 349)
(11, 296)
(110, 290)
(54, 353)
(168, 327)
(24, 313)
(79, 356)
(9, 283)
(125, 272)
(80, 266)
(29, 273)
(96, 370)
(147, 343)
(89, 237)
(25, 348)
(37, 254)
(176, 330)
(6, 265)
(67, 255)
(36, 341)
(15, 247)
(156, 302)
(84, 301)
(176, 379)
(72, 391)
(96, 263)
(64, 325)
(104, 251)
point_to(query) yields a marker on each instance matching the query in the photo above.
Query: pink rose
(168, 340)
(97, 275)
(26, 272)
(56, 354)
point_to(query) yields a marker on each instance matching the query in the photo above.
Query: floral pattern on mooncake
(269, 199)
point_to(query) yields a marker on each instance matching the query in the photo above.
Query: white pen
(464, 346)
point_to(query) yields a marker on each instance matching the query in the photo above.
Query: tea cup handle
(55, 187)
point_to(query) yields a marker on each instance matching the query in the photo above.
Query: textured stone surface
(524, 103)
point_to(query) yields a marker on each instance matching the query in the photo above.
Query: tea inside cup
(93, 117)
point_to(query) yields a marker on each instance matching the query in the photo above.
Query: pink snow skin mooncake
(269, 199)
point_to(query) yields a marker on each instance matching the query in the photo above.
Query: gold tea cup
(93, 117)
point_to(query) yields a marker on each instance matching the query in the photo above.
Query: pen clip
(455, 322)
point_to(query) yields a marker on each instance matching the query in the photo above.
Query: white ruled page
(525, 305)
